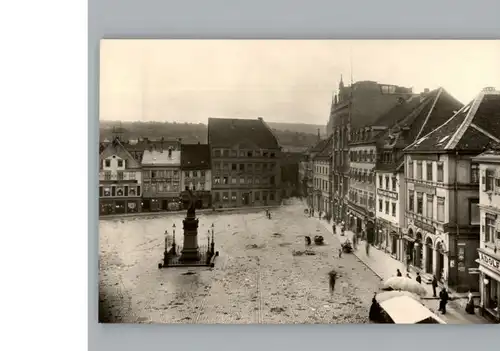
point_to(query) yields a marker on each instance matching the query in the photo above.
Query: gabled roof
(195, 156)
(470, 129)
(326, 152)
(161, 158)
(116, 148)
(245, 133)
(399, 111)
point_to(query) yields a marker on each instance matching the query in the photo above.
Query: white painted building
(489, 244)
(322, 162)
(120, 180)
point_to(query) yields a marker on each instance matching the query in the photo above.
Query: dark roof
(195, 156)
(320, 145)
(492, 154)
(143, 145)
(326, 152)
(247, 133)
(465, 130)
(398, 112)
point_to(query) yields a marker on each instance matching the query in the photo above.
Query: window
(272, 156)
(153, 174)
(234, 153)
(233, 180)
(225, 180)
(271, 195)
(217, 180)
(257, 196)
(490, 180)
(420, 203)
(419, 170)
(394, 183)
(120, 163)
(380, 183)
(474, 213)
(195, 174)
(380, 205)
(217, 197)
(387, 207)
(257, 180)
(249, 153)
(233, 166)
(107, 163)
(242, 166)
(440, 209)
(393, 209)
(249, 180)
(489, 230)
(411, 201)
(225, 153)
(225, 196)
(440, 172)
(131, 175)
(429, 206)
(101, 192)
(474, 173)
(249, 167)
(107, 191)
(387, 182)
(202, 173)
(242, 153)
(242, 180)
(429, 171)
(186, 173)
(107, 175)
(216, 153)
(410, 170)
(120, 175)
(265, 153)
(233, 197)
(264, 168)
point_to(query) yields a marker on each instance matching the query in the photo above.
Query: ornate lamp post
(212, 245)
(173, 240)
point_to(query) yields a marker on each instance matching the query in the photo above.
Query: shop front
(489, 284)
(118, 206)
(389, 237)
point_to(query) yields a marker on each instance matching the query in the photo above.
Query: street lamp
(212, 246)
(173, 239)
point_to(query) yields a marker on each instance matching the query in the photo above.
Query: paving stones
(256, 278)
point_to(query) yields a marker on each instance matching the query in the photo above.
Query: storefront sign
(425, 226)
(489, 261)
(390, 194)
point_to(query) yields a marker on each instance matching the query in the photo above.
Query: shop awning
(408, 238)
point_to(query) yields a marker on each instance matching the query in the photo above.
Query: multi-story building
(196, 173)
(161, 175)
(310, 171)
(246, 166)
(353, 108)
(119, 180)
(489, 244)
(322, 162)
(442, 213)
(406, 121)
(137, 147)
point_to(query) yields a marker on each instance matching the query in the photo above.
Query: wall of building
(201, 179)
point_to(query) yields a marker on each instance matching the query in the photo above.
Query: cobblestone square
(256, 279)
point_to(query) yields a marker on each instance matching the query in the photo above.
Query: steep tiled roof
(116, 148)
(195, 156)
(326, 152)
(319, 146)
(465, 130)
(398, 112)
(247, 133)
(159, 158)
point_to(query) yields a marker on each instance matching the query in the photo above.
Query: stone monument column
(190, 250)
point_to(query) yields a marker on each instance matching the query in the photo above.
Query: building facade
(246, 167)
(119, 180)
(442, 213)
(402, 125)
(353, 108)
(161, 174)
(196, 173)
(322, 163)
(489, 245)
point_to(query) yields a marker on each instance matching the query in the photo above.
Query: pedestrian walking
(333, 277)
(443, 300)
(354, 242)
(434, 285)
(469, 308)
(398, 273)
(374, 314)
(418, 278)
(367, 249)
(340, 253)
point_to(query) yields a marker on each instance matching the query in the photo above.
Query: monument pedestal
(190, 250)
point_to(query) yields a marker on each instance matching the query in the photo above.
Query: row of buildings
(418, 174)
(240, 166)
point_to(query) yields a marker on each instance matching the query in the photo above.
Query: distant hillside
(289, 134)
(299, 127)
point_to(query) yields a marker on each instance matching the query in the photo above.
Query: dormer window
(107, 163)
(120, 163)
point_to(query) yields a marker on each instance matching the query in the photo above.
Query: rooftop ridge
(438, 95)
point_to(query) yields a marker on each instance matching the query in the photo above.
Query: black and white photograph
(299, 181)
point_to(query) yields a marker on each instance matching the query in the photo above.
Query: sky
(281, 80)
